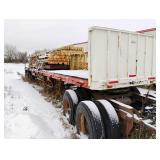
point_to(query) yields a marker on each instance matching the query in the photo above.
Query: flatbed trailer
(76, 77)
(107, 101)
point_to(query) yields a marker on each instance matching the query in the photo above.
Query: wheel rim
(66, 107)
(83, 124)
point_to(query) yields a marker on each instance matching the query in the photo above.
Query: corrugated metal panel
(126, 58)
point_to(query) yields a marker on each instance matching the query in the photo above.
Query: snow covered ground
(145, 91)
(27, 113)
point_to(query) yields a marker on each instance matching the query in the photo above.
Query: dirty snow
(83, 136)
(26, 112)
(144, 91)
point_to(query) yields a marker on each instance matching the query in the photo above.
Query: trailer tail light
(151, 78)
(109, 86)
(113, 82)
(132, 75)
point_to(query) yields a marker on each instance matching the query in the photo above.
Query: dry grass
(141, 132)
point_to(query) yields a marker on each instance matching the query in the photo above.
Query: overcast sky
(30, 35)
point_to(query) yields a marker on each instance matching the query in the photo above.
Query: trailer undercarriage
(118, 113)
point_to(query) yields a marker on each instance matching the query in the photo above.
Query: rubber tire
(93, 119)
(71, 97)
(109, 118)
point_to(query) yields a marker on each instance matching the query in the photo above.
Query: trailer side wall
(120, 59)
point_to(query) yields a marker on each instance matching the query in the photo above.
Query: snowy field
(27, 113)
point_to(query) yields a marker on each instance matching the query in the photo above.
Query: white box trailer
(119, 59)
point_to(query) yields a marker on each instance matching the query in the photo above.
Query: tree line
(12, 55)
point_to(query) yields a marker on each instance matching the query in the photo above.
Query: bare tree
(11, 55)
(22, 57)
